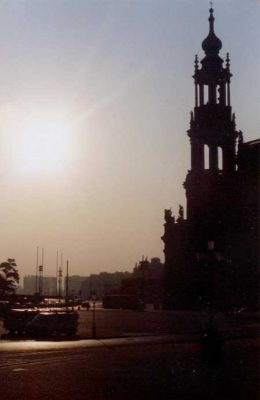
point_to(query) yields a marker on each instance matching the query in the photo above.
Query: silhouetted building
(212, 255)
(146, 281)
(102, 284)
(74, 285)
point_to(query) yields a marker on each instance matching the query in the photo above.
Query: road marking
(19, 369)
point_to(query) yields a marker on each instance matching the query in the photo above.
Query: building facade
(102, 284)
(74, 285)
(48, 285)
(146, 282)
(212, 255)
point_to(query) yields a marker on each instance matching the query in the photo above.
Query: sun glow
(38, 142)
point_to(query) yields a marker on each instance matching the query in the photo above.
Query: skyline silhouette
(94, 102)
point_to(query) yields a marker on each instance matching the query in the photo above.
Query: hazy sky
(94, 107)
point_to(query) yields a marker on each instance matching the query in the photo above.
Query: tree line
(9, 277)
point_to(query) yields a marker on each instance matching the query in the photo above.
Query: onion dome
(212, 44)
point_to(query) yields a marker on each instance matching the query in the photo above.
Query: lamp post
(67, 286)
(59, 283)
(40, 280)
(94, 332)
(37, 266)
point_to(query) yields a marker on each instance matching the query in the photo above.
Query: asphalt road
(122, 369)
(125, 323)
(150, 355)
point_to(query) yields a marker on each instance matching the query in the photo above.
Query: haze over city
(94, 107)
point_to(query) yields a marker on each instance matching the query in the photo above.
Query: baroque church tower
(216, 247)
(209, 184)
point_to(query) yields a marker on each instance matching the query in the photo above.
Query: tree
(9, 277)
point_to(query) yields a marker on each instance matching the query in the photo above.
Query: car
(53, 323)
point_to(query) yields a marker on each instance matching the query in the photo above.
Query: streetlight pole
(67, 286)
(94, 332)
(57, 272)
(36, 276)
(60, 278)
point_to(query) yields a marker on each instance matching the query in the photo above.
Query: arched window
(201, 91)
(206, 94)
(219, 98)
(206, 156)
(220, 158)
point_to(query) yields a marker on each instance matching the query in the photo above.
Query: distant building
(29, 284)
(212, 255)
(146, 281)
(102, 284)
(48, 285)
(74, 285)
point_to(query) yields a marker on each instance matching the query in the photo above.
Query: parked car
(53, 324)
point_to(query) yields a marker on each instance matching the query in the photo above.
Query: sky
(95, 97)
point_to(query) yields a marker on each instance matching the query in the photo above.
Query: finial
(234, 119)
(212, 44)
(211, 10)
(196, 62)
(240, 137)
(227, 61)
(211, 18)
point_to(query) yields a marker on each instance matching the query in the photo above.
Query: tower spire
(212, 151)
(211, 19)
(212, 44)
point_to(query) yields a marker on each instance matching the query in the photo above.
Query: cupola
(212, 44)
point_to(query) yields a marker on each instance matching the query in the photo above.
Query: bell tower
(212, 255)
(213, 140)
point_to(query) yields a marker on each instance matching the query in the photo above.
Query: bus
(126, 302)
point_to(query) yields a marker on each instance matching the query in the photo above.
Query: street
(111, 323)
(137, 355)
(124, 323)
(125, 369)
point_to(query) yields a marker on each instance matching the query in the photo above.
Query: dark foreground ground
(140, 372)
(136, 367)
